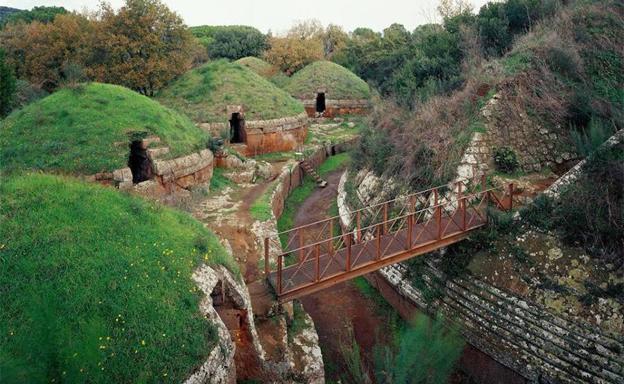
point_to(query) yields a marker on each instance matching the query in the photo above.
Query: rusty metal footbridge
(318, 255)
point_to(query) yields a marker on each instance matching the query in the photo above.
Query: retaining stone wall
(266, 136)
(335, 108)
(536, 147)
(520, 334)
(477, 159)
(170, 176)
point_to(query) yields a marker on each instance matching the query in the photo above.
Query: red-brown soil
(343, 306)
(338, 308)
(236, 228)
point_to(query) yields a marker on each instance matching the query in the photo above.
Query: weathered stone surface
(170, 176)
(121, 175)
(535, 146)
(525, 336)
(266, 136)
(155, 153)
(307, 353)
(219, 367)
(569, 177)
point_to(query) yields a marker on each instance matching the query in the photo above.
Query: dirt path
(343, 307)
(337, 309)
(227, 214)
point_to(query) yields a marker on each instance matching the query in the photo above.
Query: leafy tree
(232, 41)
(7, 86)
(498, 23)
(302, 45)
(38, 51)
(334, 39)
(6, 12)
(494, 29)
(407, 66)
(41, 14)
(142, 46)
(426, 352)
(452, 8)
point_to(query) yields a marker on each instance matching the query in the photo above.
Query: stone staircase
(523, 336)
(310, 171)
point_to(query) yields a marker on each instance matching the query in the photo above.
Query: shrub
(589, 140)
(591, 211)
(231, 41)
(564, 60)
(7, 86)
(426, 352)
(505, 160)
(27, 93)
(539, 212)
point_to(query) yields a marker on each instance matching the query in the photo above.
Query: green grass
(96, 285)
(219, 181)
(517, 61)
(381, 305)
(477, 126)
(261, 209)
(339, 82)
(85, 130)
(205, 92)
(259, 66)
(337, 134)
(275, 157)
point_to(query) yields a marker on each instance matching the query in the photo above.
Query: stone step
(588, 332)
(310, 171)
(579, 340)
(532, 337)
(530, 361)
(583, 333)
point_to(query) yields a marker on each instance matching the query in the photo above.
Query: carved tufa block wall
(335, 108)
(266, 136)
(170, 176)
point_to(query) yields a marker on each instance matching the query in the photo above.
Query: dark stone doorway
(139, 163)
(320, 102)
(237, 129)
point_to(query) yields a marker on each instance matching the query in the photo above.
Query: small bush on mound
(505, 159)
(204, 93)
(96, 285)
(87, 130)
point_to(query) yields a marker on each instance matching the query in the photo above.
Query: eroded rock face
(307, 353)
(219, 366)
(544, 334)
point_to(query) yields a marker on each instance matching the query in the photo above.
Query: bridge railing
(320, 250)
